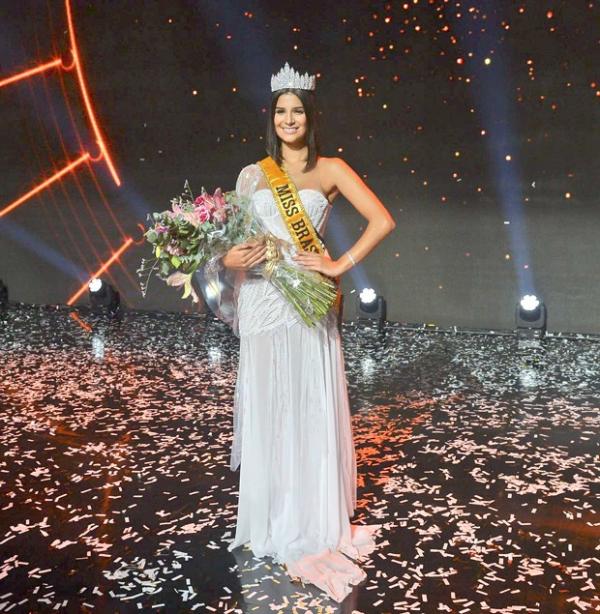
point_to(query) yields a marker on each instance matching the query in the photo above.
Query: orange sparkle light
(101, 270)
(38, 188)
(30, 72)
(86, 97)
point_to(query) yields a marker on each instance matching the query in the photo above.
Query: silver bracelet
(351, 258)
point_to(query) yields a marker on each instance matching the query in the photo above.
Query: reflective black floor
(482, 461)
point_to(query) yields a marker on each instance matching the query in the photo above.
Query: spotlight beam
(86, 97)
(42, 186)
(497, 110)
(30, 72)
(101, 270)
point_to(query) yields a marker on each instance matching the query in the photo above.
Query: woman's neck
(294, 155)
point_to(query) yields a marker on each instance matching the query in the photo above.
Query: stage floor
(481, 461)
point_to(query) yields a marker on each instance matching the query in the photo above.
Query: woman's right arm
(245, 256)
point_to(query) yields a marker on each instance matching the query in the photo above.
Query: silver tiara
(288, 77)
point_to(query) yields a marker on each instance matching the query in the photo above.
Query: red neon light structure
(44, 184)
(84, 157)
(30, 72)
(56, 63)
(86, 97)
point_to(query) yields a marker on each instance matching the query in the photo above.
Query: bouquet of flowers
(196, 230)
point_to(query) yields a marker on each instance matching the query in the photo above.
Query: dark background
(405, 93)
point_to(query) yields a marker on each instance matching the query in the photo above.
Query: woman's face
(290, 119)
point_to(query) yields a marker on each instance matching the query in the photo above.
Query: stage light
(367, 296)
(530, 318)
(95, 285)
(115, 256)
(3, 295)
(103, 297)
(530, 302)
(371, 306)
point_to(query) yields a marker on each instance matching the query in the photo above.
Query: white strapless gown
(298, 469)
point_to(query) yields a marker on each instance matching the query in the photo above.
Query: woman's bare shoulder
(332, 162)
(331, 172)
(333, 166)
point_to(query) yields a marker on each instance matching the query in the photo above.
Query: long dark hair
(273, 147)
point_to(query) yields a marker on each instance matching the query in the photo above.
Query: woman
(292, 419)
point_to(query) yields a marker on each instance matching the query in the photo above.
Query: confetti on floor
(481, 461)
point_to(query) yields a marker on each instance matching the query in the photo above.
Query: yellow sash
(294, 215)
(291, 208)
